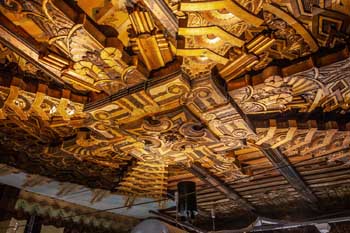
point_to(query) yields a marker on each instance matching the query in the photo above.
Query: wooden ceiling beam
(281, 163)
(20, 42)
(27, 84)
(203, 174)
(162, 12)
(319, 120)
(284, 69)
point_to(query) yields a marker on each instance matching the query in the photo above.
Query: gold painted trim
(70, 77)
(230, 5)
(202, 6)
(202, 53)
(215, 30)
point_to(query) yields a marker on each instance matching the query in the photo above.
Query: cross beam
(203, 174)
(283, 165)
(19, 41)
(317, 119)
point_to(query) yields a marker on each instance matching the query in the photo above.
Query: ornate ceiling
(129, 95)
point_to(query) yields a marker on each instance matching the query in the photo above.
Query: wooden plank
(288, 171)
(205, 175)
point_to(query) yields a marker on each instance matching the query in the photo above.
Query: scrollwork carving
(157, 125)
(12, 5)
(181, 114)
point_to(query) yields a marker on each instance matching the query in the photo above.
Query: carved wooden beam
(318, 120)
(203, 174)
(153, 49)
(162, 12)
(323, 79)
(215, 30)
(299, 28)
(72, 67)
(324, 137)
(26, 98)
(231, 6)
(8, 79)
(287, 170)
(195, 52)
(315, 60)
(19, 41)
